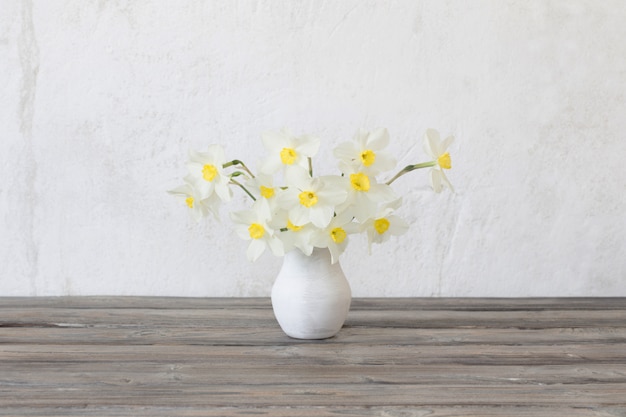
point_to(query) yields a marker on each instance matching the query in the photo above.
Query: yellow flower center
(293, 227)
(308, 198)
(189, 201)
(444, 161)
(368, 157)
(256, 231)
(209, 172)
(360, 181)
(381, 225)
(288, 156)
(338, 235)
(267, 192)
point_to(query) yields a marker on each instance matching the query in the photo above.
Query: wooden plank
(325, 353)
(491, 304)
(243, 317)
(395, 357)
(317, 395)
(527, 410)
(186, 372)
(417, 303)
(72, 334)
(542, 319)
(132, 302)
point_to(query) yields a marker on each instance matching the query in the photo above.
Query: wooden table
(118, 356)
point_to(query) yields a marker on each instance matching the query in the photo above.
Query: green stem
(310, 166)
(237, 174)
(232, 181)
(410, 168)
(238, 162)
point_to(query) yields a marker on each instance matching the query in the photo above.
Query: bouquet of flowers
(297, 210)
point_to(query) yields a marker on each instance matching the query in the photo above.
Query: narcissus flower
(365, 153)
(437, 150)
(291, 235)
(384, 224)
(208, 174)
(299, 211)
(335, 235)
(262, 187)
(288, 151)
(198, 205)
(364, 194)
(253, 225)
(312, 200)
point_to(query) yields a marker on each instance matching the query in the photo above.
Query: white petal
(242, 232)
(216, 154)
(276, 246)
(300, 179)
(271, 164)
(346, 151)
(395, 204)
(351, 228)
(306, 249)
(380, 238)
(335, 182)
(308, 145)
(321, 216)
(363, 208)
(397, 226)
(360, 137)
(444, 179)
(287, 199)
(289, 240)
(432, 143)
(381, 193)
(183, 190)
(335, 252)
(320, 239)
(245, 217)
(378, 139)
(342, 219)
(384, 162)
(255, 249)
(446, 143)
(195, 170)
(305, 246)
(332, 196)
(223, 191)
(264, 180)
(348, 168)
(205, 189)
(300, 168)
(195, 157)
(261, 209)
(435, 180)
(275, 141)
(300, 215)
(197, 213)
(211, 204)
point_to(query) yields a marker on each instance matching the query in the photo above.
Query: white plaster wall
(100, 102)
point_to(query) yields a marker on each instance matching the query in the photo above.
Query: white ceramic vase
(311, 297)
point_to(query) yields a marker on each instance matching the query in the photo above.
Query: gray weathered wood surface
(134, 356)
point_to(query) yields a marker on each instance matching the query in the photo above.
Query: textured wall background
(100, 102)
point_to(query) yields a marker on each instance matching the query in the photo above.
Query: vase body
(311, 297)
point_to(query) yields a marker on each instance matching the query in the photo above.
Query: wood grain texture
(134, 356)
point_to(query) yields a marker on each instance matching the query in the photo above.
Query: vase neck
(318, 255)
